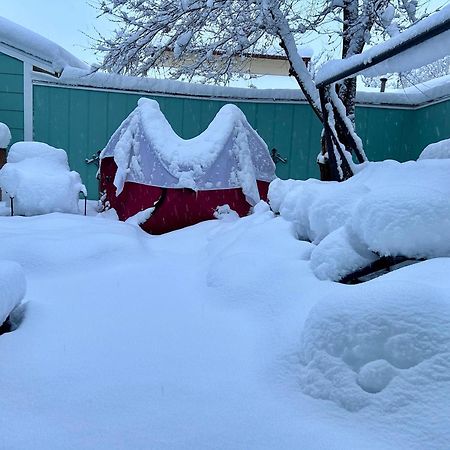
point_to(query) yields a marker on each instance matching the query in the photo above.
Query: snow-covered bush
(437, 150)
(386, 209)
(39, 180)
(389, 338)
(5, 135)
(12, 287)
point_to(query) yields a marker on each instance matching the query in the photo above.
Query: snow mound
(437, 150)
(339, 254)
(12, 287)
(382, 344)
(60, 242)
(228, 154)
(404, 220)
(5, 135)
(386, 209)
(39, 180)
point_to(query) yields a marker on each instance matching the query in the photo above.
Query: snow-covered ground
(216, 336)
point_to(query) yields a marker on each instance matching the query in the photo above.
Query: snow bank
(36, 45)
(12, 287)
(437, 150)
(383, 345)
(5, 135)
(228, 154)
(39, 180)
(418, 56)
(387, 208)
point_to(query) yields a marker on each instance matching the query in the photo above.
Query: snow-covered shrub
(382, 344)
(437, 150)
(12, 287)
(38, 178)
(5, 135)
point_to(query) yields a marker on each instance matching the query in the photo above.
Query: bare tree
(208, 38)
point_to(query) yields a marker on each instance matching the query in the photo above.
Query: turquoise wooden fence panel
(11, 95)
(82, 120)
(432, 123)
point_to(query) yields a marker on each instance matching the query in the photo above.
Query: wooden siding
(11, 95)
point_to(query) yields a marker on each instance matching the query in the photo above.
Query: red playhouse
(147, 167)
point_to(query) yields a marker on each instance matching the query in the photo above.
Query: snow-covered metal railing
(424, 32)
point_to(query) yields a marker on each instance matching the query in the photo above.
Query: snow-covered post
(5, 139)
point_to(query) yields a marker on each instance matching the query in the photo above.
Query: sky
(67, 22)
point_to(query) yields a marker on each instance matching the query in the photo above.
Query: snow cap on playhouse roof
(423, 43)
(43, 52)
(228, 154)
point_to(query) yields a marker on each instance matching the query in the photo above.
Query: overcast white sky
(65, 21)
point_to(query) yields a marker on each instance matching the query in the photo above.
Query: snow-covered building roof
(35, 48)
(228, 154)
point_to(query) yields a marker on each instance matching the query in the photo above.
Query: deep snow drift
(216, 336)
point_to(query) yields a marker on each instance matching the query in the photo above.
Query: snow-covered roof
(38, 48)
(228, 154)
(435, 29)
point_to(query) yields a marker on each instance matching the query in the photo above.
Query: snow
(5, 135)
(410, 96)
(218, 335)
(140, 217)
(38, 178)
(35, 45)
(437, 150)
(228, 154)
(12, 287)
(383, 348)
(386, 209)
(417, 56)
(411, 221)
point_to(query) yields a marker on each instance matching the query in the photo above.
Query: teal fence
(82, 120)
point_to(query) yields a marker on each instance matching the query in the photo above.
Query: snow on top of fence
(411, 96)
(35, 45)
(431, 50)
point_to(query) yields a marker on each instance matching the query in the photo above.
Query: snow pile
(386, 209)
(12, 287)
(384, 345)
(228, 154)
(58, 242)
(437, 150)
(5, 135)
(39, 180)
(421, 54)
(405, 220)
(36, 45)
